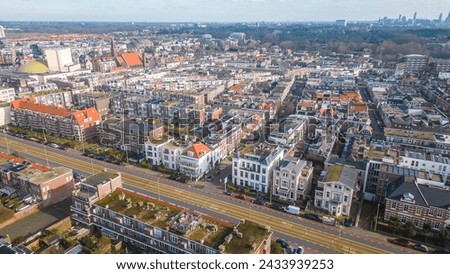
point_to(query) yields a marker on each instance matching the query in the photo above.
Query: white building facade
(255, 170)
(292, 179)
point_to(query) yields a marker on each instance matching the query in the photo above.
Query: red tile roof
(199, 149)
(82, 117)
(132, 59)
(30, 104)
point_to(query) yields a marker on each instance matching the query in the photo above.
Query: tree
(444, 237)
(410, 229)
(426, 228)
(394, 224)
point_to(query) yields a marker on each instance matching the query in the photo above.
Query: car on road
(222, 167)
(283, 243)
(311, 216)
(209, 178)
(216, 173)
(420, 247)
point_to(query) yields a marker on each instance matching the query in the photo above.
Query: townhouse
(253, 166)
(292, 179)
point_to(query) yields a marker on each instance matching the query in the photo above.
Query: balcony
(335, 201)
(80, 219)
(86, 211)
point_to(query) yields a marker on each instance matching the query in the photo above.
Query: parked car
(216, 173)
(101, 157)
(173, 177)
(298, 250)
(441, 251)
(401, 242)
(311, 216)
(222, 167)
(283, 243)
(209, 178)
(276, 207)
(229, 193)
(259, 201)
(349, 222)
(420, 247)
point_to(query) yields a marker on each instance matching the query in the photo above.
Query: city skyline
(219, 10)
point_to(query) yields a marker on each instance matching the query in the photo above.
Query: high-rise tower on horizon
(2, 32)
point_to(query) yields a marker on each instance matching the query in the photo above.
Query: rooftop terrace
(410, 134)
(193, 225)
(252, 234)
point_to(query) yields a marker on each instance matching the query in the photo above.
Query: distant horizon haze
(219, 10)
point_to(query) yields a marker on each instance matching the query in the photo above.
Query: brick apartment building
(40, 183)
(409, 199)
(155, 226)
(71, 124)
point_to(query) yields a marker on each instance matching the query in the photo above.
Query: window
(437, 225)
(173, 239)
(439, 213)
(157, 233)
(416, 222)
(345, 198)
(394, 205)
(344, 209)
(327, 204)
(418, 211)
(403, 219)
(430, 211)
(405, 207)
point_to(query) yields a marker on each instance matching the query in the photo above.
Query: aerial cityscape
(197, 133)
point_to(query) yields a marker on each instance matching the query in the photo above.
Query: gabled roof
(29, 104)
(80, 116)
(198, 149)
(132, 59)
(424, 195)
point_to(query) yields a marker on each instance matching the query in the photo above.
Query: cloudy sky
(217, 10)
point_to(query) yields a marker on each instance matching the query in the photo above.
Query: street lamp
(157, 185)
(6, 141)
(45, 140)
(376, 218)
